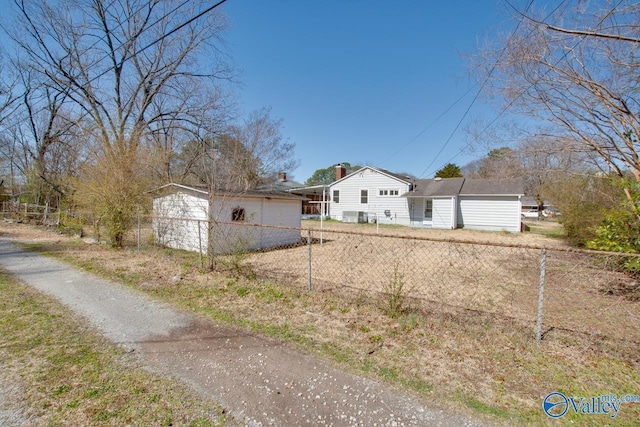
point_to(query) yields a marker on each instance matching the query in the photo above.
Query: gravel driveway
(259, 381)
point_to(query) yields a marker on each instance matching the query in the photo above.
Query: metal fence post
(200, 243)
(543, 268)
(309, 258)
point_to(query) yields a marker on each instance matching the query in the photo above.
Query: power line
(508, 106)
(432, 123)
(475, 98)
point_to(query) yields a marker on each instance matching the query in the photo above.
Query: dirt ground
(538, 238)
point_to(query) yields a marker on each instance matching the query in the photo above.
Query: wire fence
(538, 290)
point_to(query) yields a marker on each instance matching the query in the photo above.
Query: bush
(619, 231)
(582, 200)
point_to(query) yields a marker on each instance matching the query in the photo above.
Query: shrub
(619, 231)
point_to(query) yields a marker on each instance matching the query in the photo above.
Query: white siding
(443, 211)
(489, 213)
(228, 237)
(373, 181)
(259, 211)
(284, 213)
(180, 234)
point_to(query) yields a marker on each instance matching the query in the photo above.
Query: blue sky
(358, 80)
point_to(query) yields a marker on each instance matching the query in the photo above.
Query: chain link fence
(532, 289)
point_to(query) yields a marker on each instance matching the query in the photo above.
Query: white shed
(183, 216)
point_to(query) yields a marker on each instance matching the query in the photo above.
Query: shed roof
(202, 190)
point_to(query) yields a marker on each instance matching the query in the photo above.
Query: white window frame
(366, 195)
(428, 202)
(335, 196)
(388, 192)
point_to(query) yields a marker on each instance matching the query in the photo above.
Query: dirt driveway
(259, 381)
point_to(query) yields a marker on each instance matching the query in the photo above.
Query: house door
(428, 212)
(415, 212)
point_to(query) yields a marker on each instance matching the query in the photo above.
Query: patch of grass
(71, 375)
(547, 228)
(485, 365)
(483, 408)
(375, 339)
(242, 291)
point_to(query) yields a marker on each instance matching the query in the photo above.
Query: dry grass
(458, 355)
(498, 280)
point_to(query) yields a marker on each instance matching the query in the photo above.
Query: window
(237, 214)
(336, 196)
(428, 210)
(364, 197)
(388, 192)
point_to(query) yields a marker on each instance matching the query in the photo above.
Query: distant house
(529, 203)
(181, 215)
(280, 183)
(373, 194)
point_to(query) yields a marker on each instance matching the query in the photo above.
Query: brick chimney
(341, 171)
(282, 176)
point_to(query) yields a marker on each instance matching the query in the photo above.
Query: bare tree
(234, 162)
(115, 62)
(578, 77)
(261, 135)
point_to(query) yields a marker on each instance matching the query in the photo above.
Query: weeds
(394, 293)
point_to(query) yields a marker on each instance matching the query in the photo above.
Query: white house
(375, 194)
(183, 216)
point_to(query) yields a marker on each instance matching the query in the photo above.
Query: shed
(183, 217)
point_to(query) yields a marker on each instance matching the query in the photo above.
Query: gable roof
(403, 178)
(466, 187)
(436, 187)
(202, 191)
